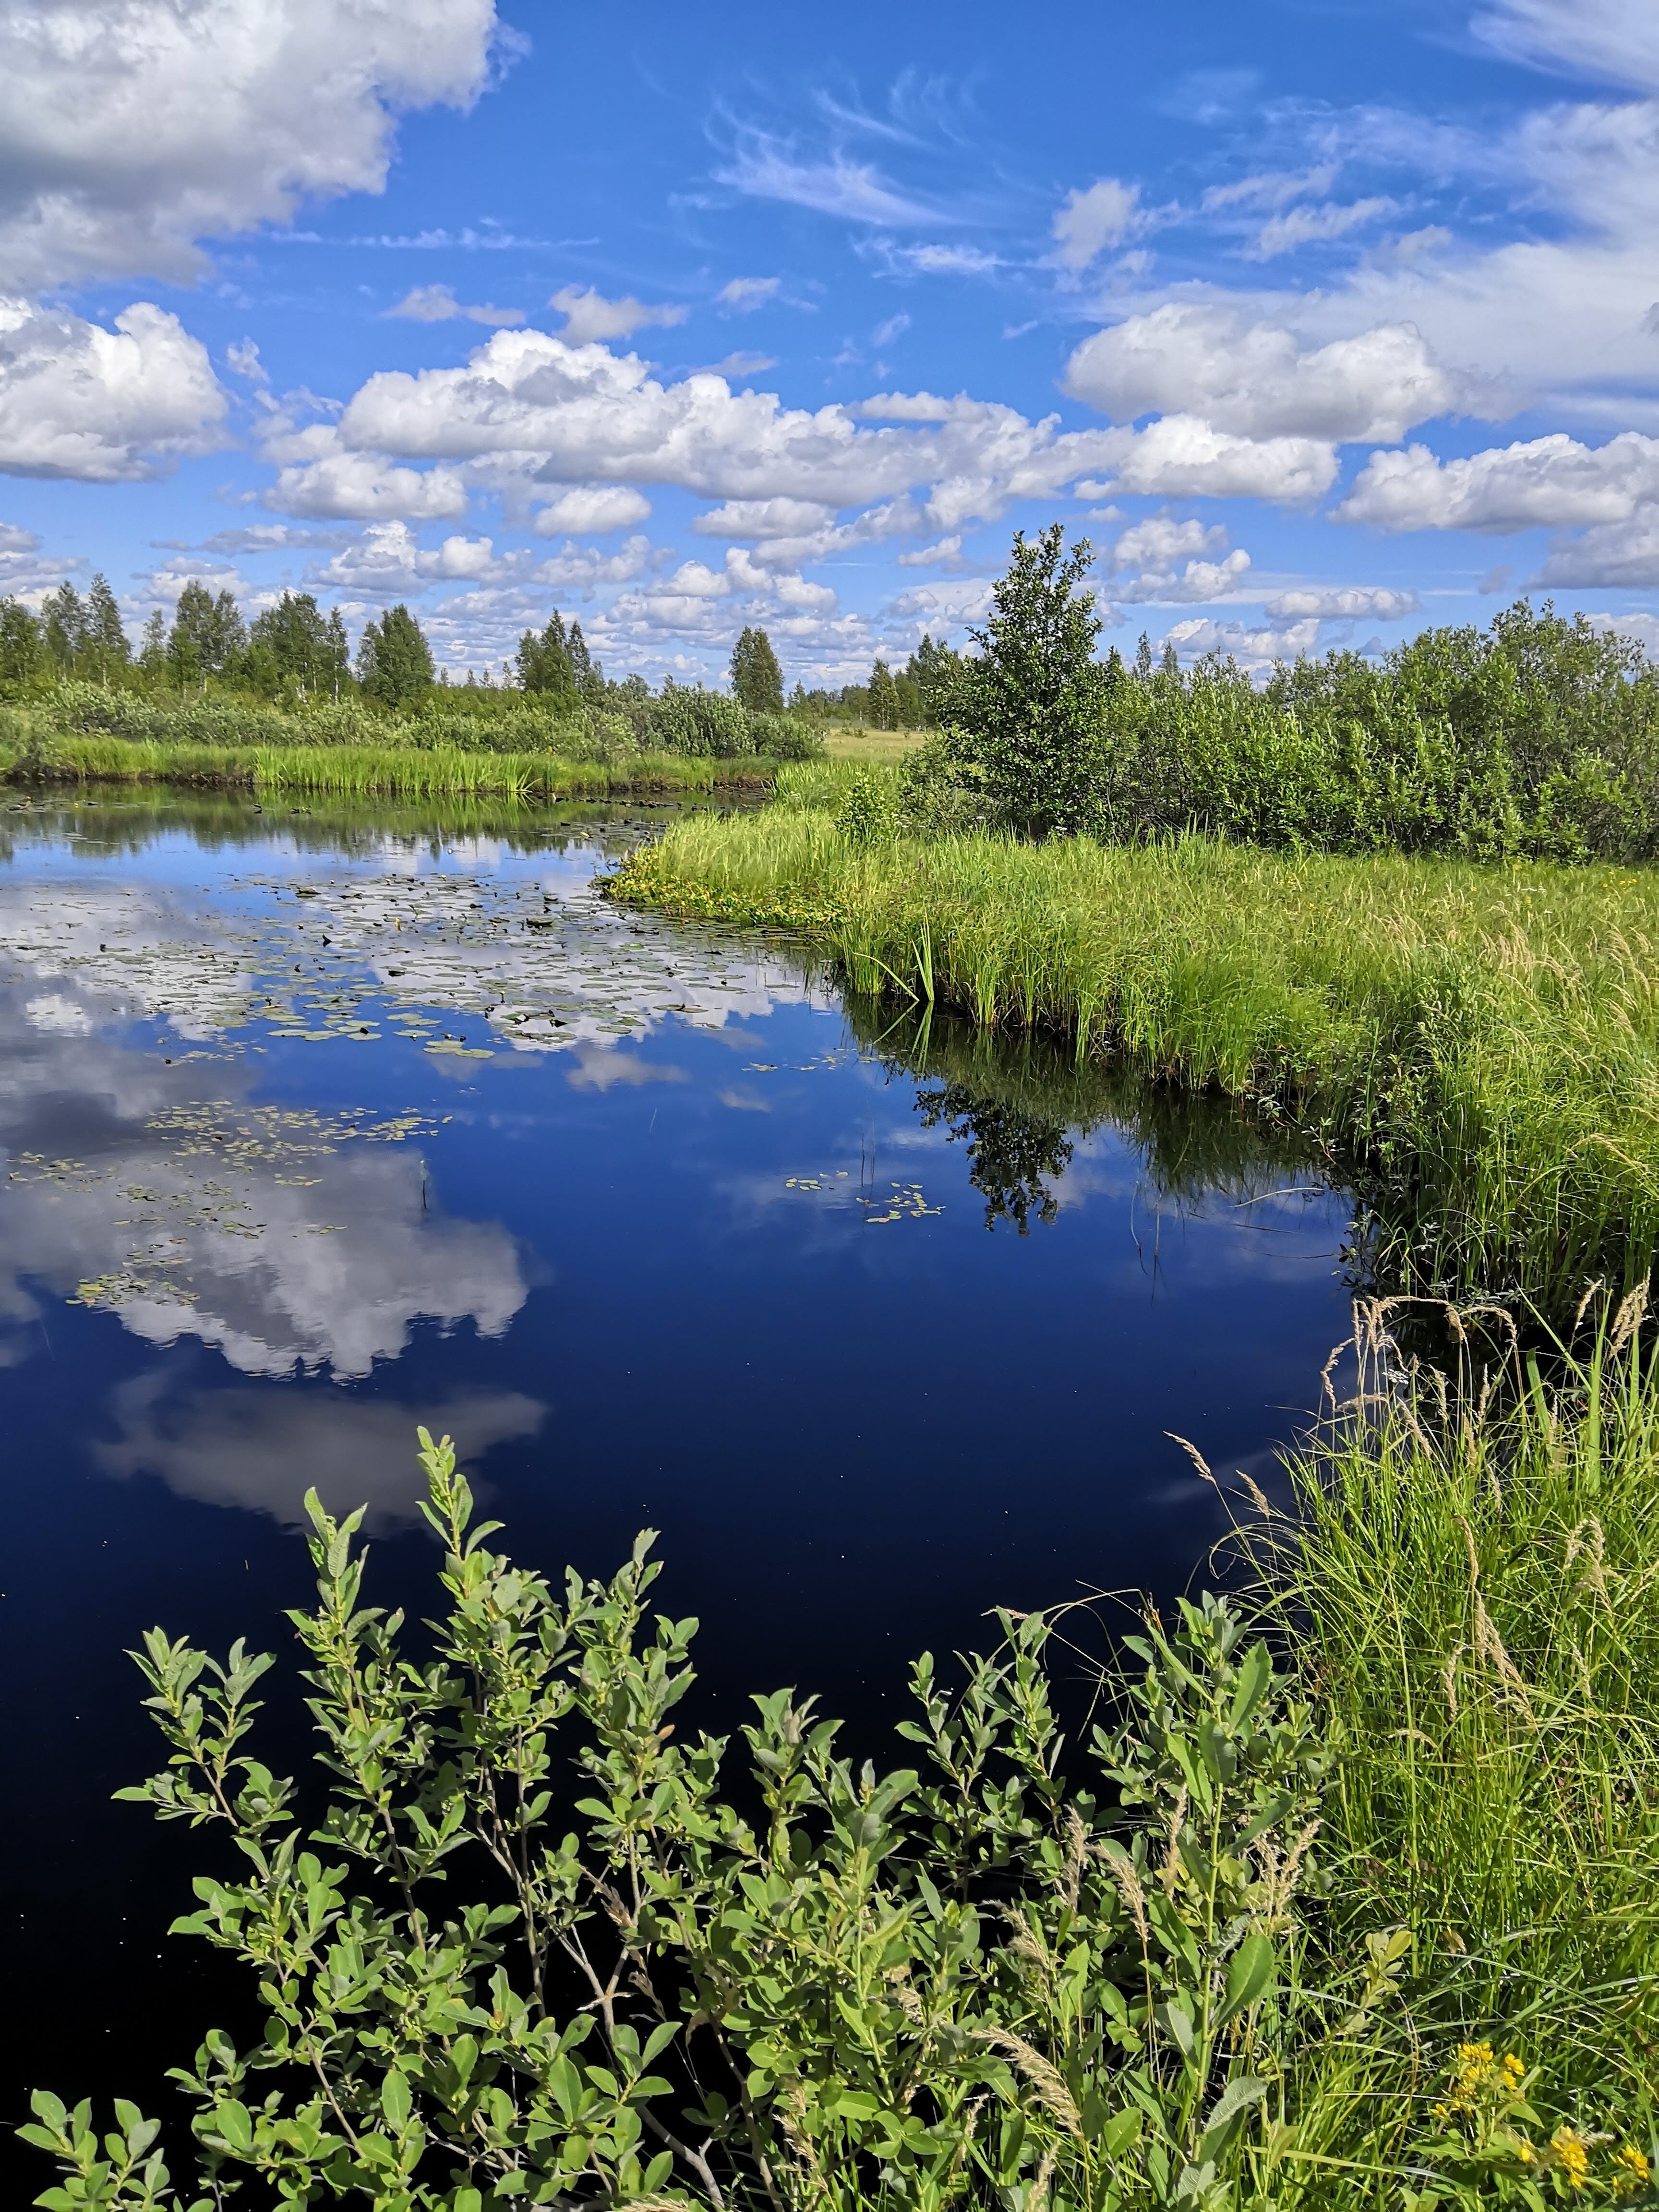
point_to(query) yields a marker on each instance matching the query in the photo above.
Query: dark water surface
(318, 1126)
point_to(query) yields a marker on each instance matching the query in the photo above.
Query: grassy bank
(1479, 1041)
(366, 770)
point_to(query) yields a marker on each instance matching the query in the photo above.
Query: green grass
(1476, 1042)
(1473, 1602)
(842, 741)
(435, 772)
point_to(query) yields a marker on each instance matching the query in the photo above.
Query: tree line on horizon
(297, 652)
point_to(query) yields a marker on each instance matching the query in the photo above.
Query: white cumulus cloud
(1182, 456)
(106, 406)
(1625, 555)
(1252, 646)
(436, 303)
(764, 518)
(324, 479)
(1200, 583)
(133, 128)
(589, 510)
(388, 562)
(529, 411)
(1158, 539)
(1553, 481)
(1252, 379)
(1372, 602)
(589, 315)
(1089, 221)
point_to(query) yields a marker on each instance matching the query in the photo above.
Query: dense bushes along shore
(41, 727)
(1537, 736)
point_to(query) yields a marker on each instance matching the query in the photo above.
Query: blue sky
(1322, 320)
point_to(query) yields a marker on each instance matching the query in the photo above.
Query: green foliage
(1025, 716)
(63, 628)
(882, 694)
(709, 724)
(929, 671)
(105, 648)
(1538, 736)
(895, 700)
(757, 679)
(208, 637)
(394, 661)
(79, 637)
(31, 752)
(866, 815)
(545, 664)
(1470, 1579)
(1389, 1946)
(297, 652)
(22, 647)
(589, 676)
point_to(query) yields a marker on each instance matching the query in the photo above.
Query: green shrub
(695, 725)
(867, 814)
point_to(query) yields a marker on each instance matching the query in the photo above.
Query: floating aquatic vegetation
(242, 1140)
(391, 943)
(906, 1204)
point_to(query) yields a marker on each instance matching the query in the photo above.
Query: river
(319, 1125)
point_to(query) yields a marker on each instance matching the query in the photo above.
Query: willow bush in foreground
(985, 1980)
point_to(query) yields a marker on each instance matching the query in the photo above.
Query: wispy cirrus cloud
(762, 165)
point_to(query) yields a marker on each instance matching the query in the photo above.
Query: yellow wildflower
(1572, 2156)
(1470, 2075)
(1635, 2167)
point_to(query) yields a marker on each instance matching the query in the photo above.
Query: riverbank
(367, 771)
(1477, 1042)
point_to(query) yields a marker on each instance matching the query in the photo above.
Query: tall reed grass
(1478, 1043)
(366, 770)
(1471, 1589)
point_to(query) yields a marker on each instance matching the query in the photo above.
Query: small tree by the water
(757, 679)
(295, 648)
(1024, 714)
(884, 698)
